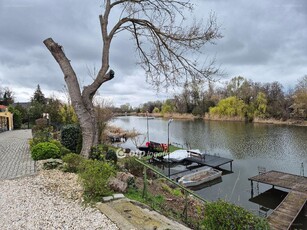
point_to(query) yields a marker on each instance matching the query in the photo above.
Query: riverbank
(188, 116)
(280, 122)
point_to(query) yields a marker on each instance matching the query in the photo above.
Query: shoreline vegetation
(105, 173)
(207, 117)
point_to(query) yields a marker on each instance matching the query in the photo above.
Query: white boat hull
(202, 176)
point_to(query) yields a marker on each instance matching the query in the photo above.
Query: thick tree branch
(64, 63)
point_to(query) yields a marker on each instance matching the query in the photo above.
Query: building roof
(24, 105)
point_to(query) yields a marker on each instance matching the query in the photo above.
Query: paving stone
(107, 198)
(15, 158)
(118, 196)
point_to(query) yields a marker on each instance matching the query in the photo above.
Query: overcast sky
(263, 40)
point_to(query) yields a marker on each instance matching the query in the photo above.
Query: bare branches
(168, 49)
(64, 63)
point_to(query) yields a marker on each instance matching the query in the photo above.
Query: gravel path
(45, 200)
(26, 203)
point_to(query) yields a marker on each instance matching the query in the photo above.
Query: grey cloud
(263, 40)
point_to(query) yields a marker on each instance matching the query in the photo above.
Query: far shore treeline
(238, 99)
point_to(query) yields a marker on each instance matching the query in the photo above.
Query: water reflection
(274, 147)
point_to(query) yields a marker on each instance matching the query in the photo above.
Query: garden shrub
(98, 152)
(222, 215)
(39, 139)
(72, 162)
(45, 150)
(70, 137)
(174, 192)
(40, 123)
(41, 135)
(111, 156)
(63, 149)
(95, 176)
(133, 166)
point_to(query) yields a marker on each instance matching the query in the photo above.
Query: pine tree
(38, 96)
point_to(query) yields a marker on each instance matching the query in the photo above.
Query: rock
(121, 182)
(125, 176)
(118, 185)
(49, 164)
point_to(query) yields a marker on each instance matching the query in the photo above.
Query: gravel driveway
(26, 203)
(44, 200)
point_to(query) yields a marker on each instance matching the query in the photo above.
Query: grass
(155, 202)
(174, 192)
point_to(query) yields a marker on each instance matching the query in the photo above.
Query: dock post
(144, 195)
(305, 210)
(185, 210)
(252, 189)
(231, 166)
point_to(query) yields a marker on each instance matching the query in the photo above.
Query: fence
(186, 191)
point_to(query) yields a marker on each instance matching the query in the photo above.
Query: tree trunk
(89, 136)
(82, 104)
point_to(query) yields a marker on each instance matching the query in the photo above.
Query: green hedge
(71, 138)
(45, 150)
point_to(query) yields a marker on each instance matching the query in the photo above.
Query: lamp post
(147, 126)
(169, 168)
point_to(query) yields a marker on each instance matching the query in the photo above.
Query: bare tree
(137, 138)
(166, 46)
(103, 114)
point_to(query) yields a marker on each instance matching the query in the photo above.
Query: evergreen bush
(70, 137)
(45, 150)
(111, 156)
(98, 152)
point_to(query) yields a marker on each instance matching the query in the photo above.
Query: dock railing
(186, 191)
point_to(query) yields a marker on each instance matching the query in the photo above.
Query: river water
(250, 145)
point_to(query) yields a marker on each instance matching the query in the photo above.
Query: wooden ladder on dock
(284, 215)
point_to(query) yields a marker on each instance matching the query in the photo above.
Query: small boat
(153, 147)
(180, 155)
(202, 176)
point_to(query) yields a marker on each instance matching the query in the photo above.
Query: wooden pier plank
(283, 180)
(210, 160)
(287, 211)
(285, 214)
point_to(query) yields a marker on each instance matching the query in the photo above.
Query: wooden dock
(209, 160)
(287, 211)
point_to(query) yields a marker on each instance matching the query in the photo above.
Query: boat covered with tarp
(202, 176)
